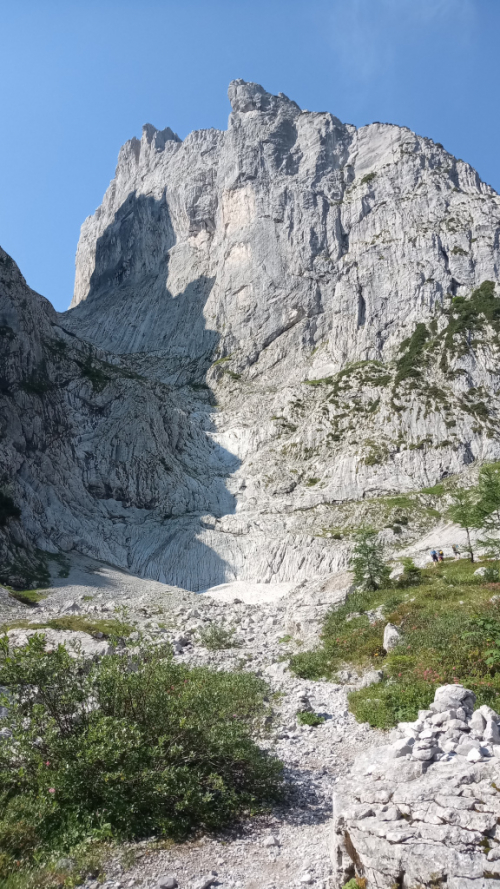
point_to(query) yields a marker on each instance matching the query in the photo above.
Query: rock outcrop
(298, 316)
(424, 810)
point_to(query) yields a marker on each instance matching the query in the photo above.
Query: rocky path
(289, 846)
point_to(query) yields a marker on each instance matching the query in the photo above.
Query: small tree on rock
(367, 561)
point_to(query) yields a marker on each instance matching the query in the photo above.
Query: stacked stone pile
(425, 809)
(450, 728)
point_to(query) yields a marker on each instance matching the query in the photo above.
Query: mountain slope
(319, 306)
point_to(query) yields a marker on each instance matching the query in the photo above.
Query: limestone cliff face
(287, 231)
(319, 304)
(98, 459)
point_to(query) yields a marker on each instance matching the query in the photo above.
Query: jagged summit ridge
(246, 97)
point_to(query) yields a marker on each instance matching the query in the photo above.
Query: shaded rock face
(99, 459)
(299, 286)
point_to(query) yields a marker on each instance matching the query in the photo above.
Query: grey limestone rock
(167, 882)
(392, 637)
(230, 369)
(76, 642)
(427, 816)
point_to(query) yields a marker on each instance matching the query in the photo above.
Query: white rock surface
(392, 637)
(76, 642)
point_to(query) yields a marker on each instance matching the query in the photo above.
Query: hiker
(434, 557)
(441, 555)
(456, 551)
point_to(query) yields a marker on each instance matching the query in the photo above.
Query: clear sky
(80, 78)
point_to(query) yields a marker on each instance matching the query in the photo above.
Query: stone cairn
(424, 810)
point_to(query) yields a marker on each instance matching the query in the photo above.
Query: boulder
(392, 637)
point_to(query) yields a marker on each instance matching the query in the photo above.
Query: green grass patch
(323, 381)
(27, 597)
(436, 490)
(450, 633)
(305, 717)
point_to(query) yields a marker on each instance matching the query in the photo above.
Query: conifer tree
(464, 511)
(367, 561)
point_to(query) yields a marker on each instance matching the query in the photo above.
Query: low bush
(411, 576)
(387, 703)
(125, 747)
(217, 638)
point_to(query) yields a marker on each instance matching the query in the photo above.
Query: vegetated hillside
(322, 303)
(449, 621)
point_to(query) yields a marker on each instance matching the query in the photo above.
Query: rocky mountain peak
(158, 137)
(245, 97)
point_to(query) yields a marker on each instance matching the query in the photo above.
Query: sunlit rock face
(292, 288)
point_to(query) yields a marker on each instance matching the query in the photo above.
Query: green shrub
(491, 575)
(411, 576)
(356, 883)
(470, 316)
(312, 664)
(125, 747)
(305, 717)
(217, 638)
(412, 361)
(368, 178)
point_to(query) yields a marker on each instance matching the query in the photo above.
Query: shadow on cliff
(129, 309)
(163, 337)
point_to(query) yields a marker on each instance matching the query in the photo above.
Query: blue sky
(80, 78)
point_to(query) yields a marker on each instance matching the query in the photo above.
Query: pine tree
(465, 511)
(367, 561)
(489, 507)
